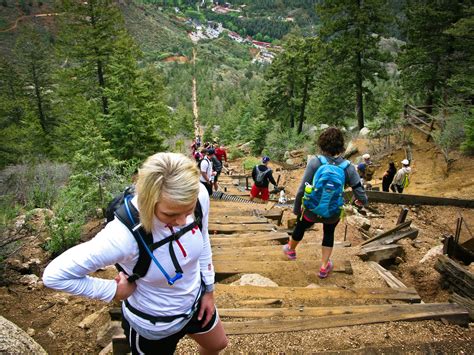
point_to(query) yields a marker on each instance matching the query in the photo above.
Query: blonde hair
(165, 174)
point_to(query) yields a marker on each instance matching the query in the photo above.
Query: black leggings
(328, 231)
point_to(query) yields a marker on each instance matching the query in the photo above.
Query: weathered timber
(448, 311)
(416, 109)
(392, 238)
(389, 232)
(269, 251)
(459, 279)
(314, 312)
(467, 303)
(380, 252)
(406, 199)
(237, 219)
(402, 216)
(265, 302)
(229, 267)
(418, 120)
(120, 345)
(305, 293)
(457, 251)
(272, 214)
(239, 228)
(223, 212)
(391, 280)
(239, 240)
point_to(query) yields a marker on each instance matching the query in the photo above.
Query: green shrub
(65, 226)
(235, 153)
(250, 162)
(33, 185)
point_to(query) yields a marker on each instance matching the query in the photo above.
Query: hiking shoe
(290, 253)
(324, 272)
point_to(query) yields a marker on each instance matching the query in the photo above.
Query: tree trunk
(359, 93)
(292, 111)
(303, 103)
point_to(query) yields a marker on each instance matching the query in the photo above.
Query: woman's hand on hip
(124, 288)
(207, 308)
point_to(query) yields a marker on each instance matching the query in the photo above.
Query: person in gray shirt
(331, 144)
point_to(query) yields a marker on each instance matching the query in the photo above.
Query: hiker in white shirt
(206, 169)
(155, 315)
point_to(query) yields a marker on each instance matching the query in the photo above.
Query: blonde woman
(155, 315)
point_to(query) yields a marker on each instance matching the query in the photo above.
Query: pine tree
(33, 60)
(432, 52)
(351, 29)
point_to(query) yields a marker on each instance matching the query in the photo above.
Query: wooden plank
(229, 267)
(120, 345)
(419, 120)
(407, 199)
(236, 240)
(390, 231)
(391, 280)
(459, 279)
(391, 239)
(237, 219)
(463, 301)
(419, 128)
(380, 252)
(270, 251)
(420, 111)
(302, 311)
(240, 228)
(394, 313)
(409, 294)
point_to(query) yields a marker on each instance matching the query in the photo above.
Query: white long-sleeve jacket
(116, 244)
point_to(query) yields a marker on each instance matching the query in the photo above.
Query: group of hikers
(393, 180)
(211, 159)
(160, 241)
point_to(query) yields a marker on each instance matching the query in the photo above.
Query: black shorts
(141, 345)
(216, 177)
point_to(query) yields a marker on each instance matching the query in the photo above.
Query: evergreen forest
(88, 89)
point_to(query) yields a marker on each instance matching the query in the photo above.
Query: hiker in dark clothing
(262, 176)
(217, 167)
(388, 176)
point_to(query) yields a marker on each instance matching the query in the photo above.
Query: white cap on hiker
(366, 156)
(405, 162)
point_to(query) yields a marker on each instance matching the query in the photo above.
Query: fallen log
(467, 303)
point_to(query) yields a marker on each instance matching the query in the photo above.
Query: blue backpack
(325, 197)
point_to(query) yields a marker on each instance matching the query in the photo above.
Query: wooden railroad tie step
(379, 314)
(226, 268)
(326, 317)
(240, 228)
(259, 252)
(302, 293)
(247, 239)
(237, 219)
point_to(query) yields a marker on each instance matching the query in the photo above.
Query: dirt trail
(21, 18)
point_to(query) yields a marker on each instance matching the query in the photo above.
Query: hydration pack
(122, 208)
(325, 196)
(260, 175)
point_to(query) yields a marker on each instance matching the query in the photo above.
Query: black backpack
(120, 207)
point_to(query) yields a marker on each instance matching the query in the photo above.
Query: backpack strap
(344, 164)
(322, 159)
(145, 240)
(141, 267)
